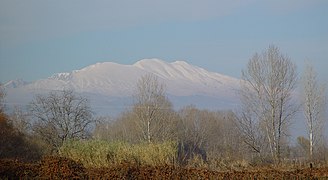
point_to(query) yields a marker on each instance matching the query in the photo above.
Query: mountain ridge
(99, 77)
(109, 80)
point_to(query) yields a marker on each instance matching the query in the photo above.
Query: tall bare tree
(61, 116)
(267, 86)
(152, 108)
(314, 105)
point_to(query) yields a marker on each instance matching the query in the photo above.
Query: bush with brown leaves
(53, 167)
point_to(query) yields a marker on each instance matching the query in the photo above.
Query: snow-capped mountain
(109, 84)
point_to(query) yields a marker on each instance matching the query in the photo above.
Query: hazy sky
(41, 37)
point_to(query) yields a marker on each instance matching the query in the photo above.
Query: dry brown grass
(52, 167)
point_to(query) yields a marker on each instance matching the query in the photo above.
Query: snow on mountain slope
(185, 79)
(109, 79)
(106, 78)
(181, 79)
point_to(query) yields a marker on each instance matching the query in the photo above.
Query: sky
(41, 37)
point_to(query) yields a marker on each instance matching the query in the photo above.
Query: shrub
(54, 167)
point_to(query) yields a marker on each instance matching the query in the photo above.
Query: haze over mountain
(110, 86)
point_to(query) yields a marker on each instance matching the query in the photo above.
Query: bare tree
(152, 108)
(61, 116)
(267, 86)
(314, 105)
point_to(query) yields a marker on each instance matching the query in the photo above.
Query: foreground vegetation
(53, 167)
(93, 159)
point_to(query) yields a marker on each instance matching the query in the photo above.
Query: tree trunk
(148, 131)
(311, 144)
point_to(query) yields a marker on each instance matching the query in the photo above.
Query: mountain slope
(116, 81)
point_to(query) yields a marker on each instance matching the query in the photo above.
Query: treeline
(153, 133)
